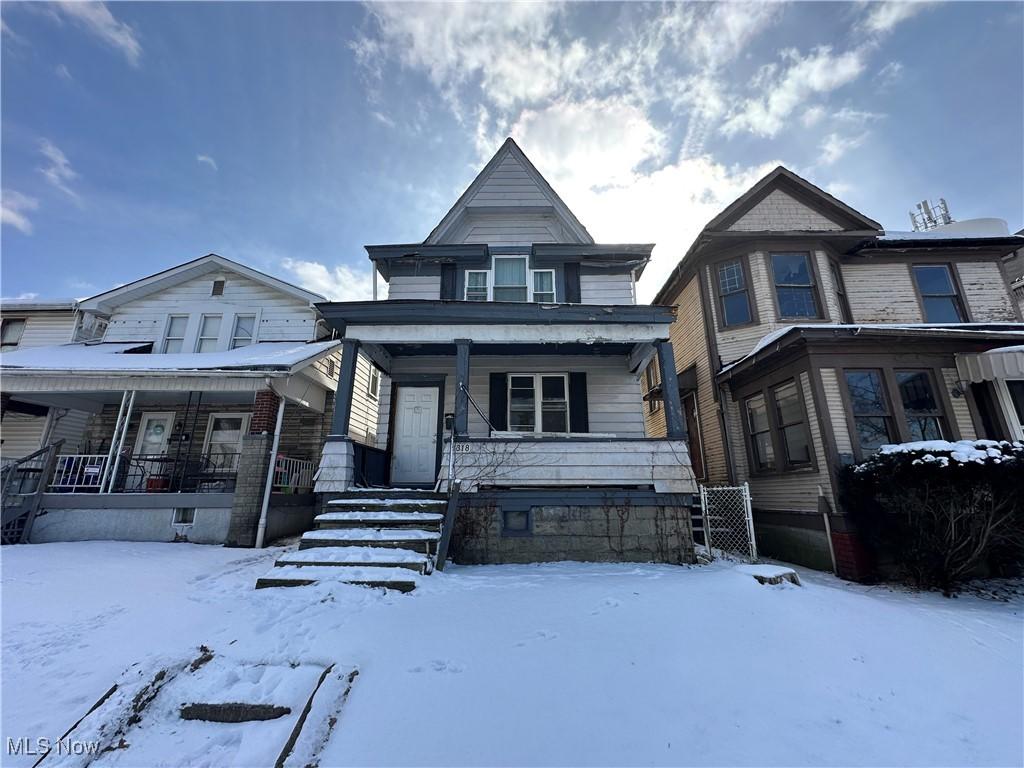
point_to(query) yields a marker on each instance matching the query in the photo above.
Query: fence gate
(727, 520)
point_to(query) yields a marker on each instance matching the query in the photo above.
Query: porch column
(675, 423)
(462, 386)
(346, 388)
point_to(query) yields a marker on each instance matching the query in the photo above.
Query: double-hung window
(920, 407)
(760, 430)
(651, 376)
(174, 336)
(795, 291)
(510, 274)
(245, 329)
(373, 382)
(476, 285)
(544, 286)
(209, 333)
(538, 402)
(777, 429)
(11, 332)
(733, 294)
(871, 415)
(940, 299)
(789, 413)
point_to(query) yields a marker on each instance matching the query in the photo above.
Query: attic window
(218, 288)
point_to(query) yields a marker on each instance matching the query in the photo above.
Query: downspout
(261, 529)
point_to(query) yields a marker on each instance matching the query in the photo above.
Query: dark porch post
(675, 423)
(462, 386)
(346, 388)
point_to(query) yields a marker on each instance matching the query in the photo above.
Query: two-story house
(206, 392)
(511, 344)
(807, 337)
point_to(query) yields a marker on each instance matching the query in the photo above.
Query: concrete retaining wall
(125, 524)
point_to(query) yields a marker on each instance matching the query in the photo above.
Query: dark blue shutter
(571, 289)
(579, 421)
(497, 409)
(448, 282)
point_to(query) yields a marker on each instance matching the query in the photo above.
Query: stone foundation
(590, 526)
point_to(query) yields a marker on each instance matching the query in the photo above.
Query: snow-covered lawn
(562, 664)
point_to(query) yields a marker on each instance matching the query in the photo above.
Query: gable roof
(204, 265)
(804, 191)
(537, 195)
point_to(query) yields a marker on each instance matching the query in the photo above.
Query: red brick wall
(264, 412)
(852, 560)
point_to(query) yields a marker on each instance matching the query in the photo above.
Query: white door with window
(154, 434)
(414, 456)
(148, 468)
(223, 441)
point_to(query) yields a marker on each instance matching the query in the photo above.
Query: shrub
(941, 510)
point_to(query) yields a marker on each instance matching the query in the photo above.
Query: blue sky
(140, 135)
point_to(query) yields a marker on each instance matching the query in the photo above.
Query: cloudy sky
(286, 136)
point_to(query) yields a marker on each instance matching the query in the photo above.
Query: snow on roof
(941, 234)
(768, 339)
(263, 356)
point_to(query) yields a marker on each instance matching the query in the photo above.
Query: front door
(148, 468)
(154, 434)
(414, 454)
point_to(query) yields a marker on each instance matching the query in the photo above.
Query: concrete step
(298, 576)
(424, 520)
(391, 493)
(405, 538)
(387, 505)
(356, 556)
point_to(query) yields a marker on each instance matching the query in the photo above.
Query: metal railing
(293, 475)
(21, 485)
(145, 473)
(78, 472)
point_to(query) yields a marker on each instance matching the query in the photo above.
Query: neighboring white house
(180, 391)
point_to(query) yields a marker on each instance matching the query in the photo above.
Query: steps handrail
(450, 513)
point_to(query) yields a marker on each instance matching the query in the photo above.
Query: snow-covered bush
(940, 511)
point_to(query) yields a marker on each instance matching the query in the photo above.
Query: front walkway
(567, 664)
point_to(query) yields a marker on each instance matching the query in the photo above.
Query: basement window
(515, 522)
(184, 515)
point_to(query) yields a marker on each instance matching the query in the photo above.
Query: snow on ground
(558, 664)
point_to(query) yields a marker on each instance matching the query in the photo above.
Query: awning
(1001, 363)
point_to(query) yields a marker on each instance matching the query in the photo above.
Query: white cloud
(13, 209)
(835, 146)
(813, 115)
(805, 76)
(339, 283)
(882, 17)
(97, 19)
(27, 296)
(207, 160)
(857, 116)
(58, 170)
(890, 74)
(63, 72)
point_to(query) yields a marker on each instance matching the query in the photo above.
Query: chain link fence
(727, 521)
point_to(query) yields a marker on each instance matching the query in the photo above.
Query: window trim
(199, 331)
(712, 276)
(753, 462)
(652, 378)
(766, 388)
(958, 296)
(533, 284)
(24, 327)
(167, 329)
(234, 330)
(465, 284)
(784, 453)
(538, 403)
(374, 373)
(816, 287)
(940, 415)
(530, 272)
(244, 429)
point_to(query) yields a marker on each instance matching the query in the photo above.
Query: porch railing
(293, 475)
(146, 473)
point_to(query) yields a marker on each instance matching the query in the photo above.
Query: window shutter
(571, 277)
(579, 421)
(497, 410)
(448, 282)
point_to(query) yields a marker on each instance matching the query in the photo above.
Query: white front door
(414, 457)
(154, 433)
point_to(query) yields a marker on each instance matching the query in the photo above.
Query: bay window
(777, 431)
(538, 402)
(789, 413)
(921, 410)
(760, 431)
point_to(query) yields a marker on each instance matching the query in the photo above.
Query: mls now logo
(43, 746)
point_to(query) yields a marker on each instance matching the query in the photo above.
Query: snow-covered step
(391, 493)
(426, 520)
(386, 505)
(366, 576)
(378, 537)
(371, 556)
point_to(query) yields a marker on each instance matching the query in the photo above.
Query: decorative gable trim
(541, 199)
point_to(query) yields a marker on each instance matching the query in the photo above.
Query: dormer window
(218, 287)
(209, 333)
(510, 279)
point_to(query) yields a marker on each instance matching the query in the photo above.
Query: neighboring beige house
(176, 401)
(806, 337)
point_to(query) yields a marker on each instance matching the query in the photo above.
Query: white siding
(509, 184)
(613, 393)
(606, 289)
(780, 212)
(281, 317)
(20, 434)
(69, 426)
(362, 423)
(414, 287)
(985, 292)
(45, 329)
(836, 410)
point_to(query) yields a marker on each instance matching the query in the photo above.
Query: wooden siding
(509, 229)
(44, 329)
(414, 287)
(985, 292)
(795, 491)
(836, 410)
(780, 212)
(663, 464)
(961, 412)
(70, 427)
(281, 317)
(613, 393)
(509, 184)
(21, 434)
(606, 289)
(881, 293)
